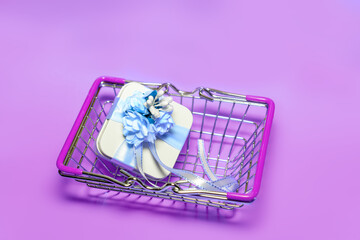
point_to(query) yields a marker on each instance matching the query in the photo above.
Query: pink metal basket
(235, 129)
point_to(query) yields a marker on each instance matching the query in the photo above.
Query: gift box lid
(109, 142)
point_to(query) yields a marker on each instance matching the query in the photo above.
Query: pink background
(305, 55)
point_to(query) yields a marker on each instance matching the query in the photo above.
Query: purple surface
(304, 55)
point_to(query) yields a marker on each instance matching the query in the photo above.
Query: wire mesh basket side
(231, 128)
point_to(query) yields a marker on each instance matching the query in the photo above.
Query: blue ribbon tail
(188, 176)
(228, 184)
(139, 163)
(204, 163)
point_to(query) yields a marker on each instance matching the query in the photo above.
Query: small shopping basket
(235, 129)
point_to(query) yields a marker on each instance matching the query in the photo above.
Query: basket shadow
(80, 193)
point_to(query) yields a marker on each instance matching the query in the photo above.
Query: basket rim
(233, 196)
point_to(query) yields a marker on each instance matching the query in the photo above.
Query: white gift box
(110, 139)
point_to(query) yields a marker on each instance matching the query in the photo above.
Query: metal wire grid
(230, 126)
